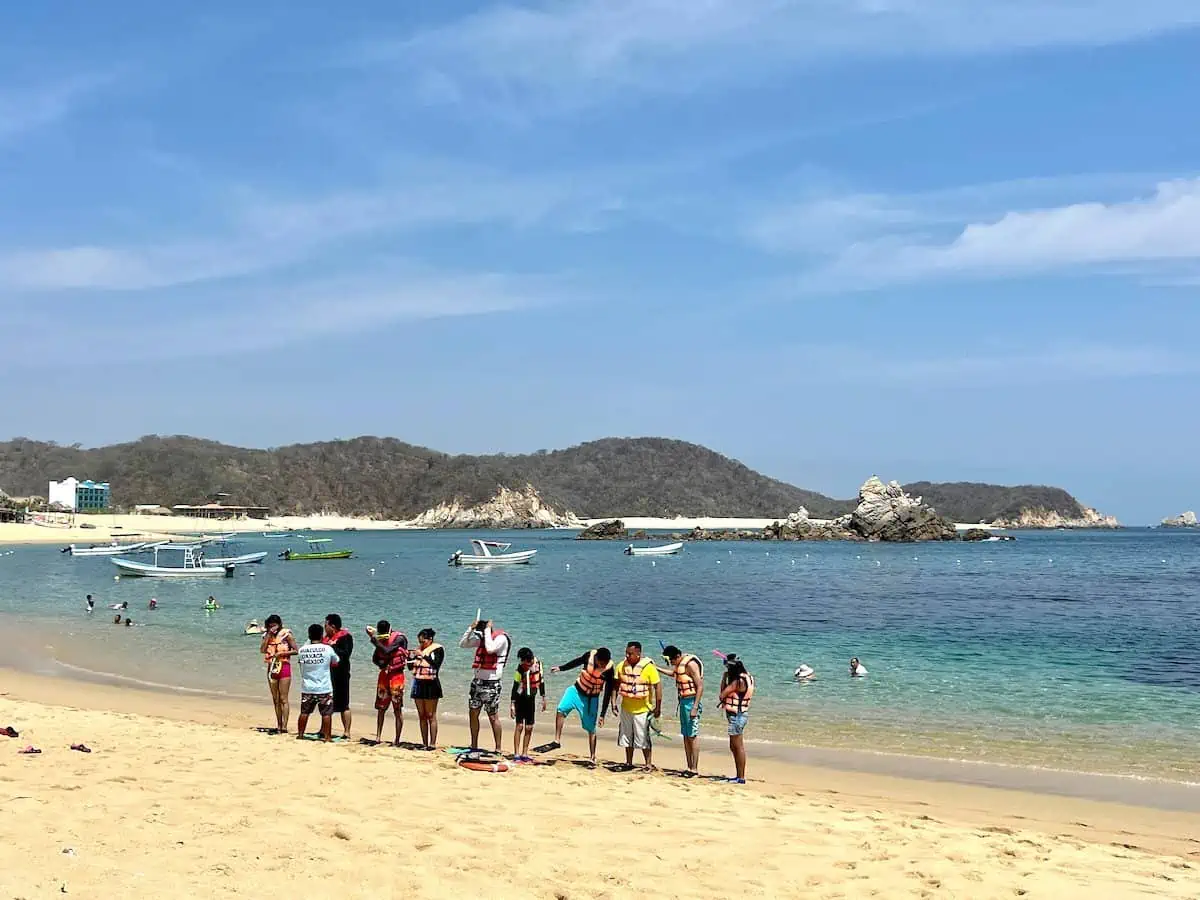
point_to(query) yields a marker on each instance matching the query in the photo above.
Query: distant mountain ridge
(388, 478)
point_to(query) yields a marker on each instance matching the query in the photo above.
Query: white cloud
(569, 51)
(23, 110)
(1161, 227)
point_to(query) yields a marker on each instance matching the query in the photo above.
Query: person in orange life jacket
(491, 646)
(737, 689)
(637, 681)
(342, 641)
(426, 664)
(596, 677)
(688, 672)
(391, 656)
(528, 685)
(278, 647)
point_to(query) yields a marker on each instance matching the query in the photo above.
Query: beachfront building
(80, 496)
(221, 511)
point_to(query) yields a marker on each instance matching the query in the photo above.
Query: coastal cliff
(1049, 518)
(1183, 520)
(507, 509)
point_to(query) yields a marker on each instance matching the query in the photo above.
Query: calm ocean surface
(1064, 650)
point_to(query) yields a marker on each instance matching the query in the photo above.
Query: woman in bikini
(278, 647)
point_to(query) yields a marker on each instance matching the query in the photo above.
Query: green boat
(315, 551)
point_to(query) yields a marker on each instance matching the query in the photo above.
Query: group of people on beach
(631, 688)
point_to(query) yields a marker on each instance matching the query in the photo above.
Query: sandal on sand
(268, 730)
(9, 731)
(82, 748)
(30, 750)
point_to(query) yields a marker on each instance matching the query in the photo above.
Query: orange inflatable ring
(482, 762)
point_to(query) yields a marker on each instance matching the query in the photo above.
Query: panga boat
(190, 564)
(665, 550)
(483, 555)
(244, 559)
(315, 551)
(113, 549)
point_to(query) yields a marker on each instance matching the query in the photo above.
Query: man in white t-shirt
(316, 660)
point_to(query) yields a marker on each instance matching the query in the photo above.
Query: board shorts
(737, 723)
(320, 702)
(341, 692)
(427, 689)
(587, 707)
(526, 707)
(688, 726)
(389, 690)
(485, 695)
(634, 730)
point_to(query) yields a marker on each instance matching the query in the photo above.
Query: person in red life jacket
(391, 656)
(528, 686)
(737, 690)
(491, 646)
(342, 643)
(426, 664)
(596, 678)
(688, 672)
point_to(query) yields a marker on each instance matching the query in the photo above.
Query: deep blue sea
(1070, 650)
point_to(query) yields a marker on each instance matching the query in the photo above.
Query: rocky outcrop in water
(884, 513)
(1183, 520)
(508, 509)
(1048, 518)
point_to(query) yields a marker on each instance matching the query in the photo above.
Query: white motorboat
(236, 559)
(190, 563)
(665, 550)
(113, 549)
(483, 555)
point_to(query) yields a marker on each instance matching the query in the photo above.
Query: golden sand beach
(181, 796)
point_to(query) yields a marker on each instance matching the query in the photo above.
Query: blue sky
(943, 239)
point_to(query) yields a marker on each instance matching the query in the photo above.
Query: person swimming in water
(857, 669)
(211, 604)
(153, 603)
(117, 619)
(91, 604)
(252, 627)
(804, 672)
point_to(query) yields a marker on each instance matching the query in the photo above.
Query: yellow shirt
(635, 705)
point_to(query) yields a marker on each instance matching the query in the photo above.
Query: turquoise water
(1065, 650)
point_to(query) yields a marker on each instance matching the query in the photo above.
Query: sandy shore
(109, 527)
(711, 523)
(180, 795)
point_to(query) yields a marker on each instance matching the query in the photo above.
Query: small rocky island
(884, 513)
(1183, 520)
(507, 509)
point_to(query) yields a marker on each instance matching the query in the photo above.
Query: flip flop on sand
(30, 750)
(9, 731)
(82, 748)
(267, 730)
(368, 742)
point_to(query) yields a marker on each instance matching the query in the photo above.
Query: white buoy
(116, 578)
(568, 565)
(652, 564)
(718, 562)
(878, 563)
(858, 557)
(372, 571)
(251, 574)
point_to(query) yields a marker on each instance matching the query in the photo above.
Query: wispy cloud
(24, 110)
(1051, 363)
(264, 233)
(575, 50)
(284, 315)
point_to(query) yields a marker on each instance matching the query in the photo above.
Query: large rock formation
(1183, 520)
(886, 513)
(604, 531)
(508, 509)
(1048, 518)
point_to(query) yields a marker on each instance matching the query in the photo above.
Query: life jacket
(486, 661)
(632, 684)
(423, 669)
(530, 679)
(683, 680)
(393, 655)
(590, 682)
(739, 701)
(335, 638)
(273, 645)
